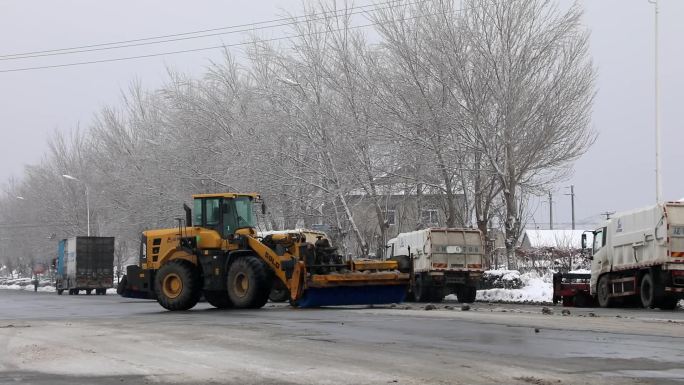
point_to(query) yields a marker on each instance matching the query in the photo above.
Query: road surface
(50, 339)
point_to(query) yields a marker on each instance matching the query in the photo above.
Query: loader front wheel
(249, 282)
(178, 285)
(218, 299)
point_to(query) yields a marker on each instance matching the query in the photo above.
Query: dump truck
(440, 261)
(638, 257)
(216, 253)
(84, 263)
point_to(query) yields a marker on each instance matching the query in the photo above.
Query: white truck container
(442, 261)
(639, 255)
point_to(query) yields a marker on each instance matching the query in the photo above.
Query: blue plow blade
(352, 295)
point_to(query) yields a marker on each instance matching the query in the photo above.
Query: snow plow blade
(354, 289)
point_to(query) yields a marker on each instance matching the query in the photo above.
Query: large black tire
(89, 291)
(121, 287)
(218, 299)
(603, 292)
(466, 294)
(279, 292)
(178, 285)
(60, 291)
(647, 292)
(249, 282)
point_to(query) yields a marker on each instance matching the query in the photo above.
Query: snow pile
(501, 279)
(535, 288)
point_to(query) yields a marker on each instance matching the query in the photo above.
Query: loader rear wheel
(218, 299)
(603, 292)
(249, 282)
(178, 285)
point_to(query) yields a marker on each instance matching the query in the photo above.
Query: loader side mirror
(263, 208)
(584, 241)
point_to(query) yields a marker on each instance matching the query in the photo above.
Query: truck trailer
(84, 263)
(441, 261)
(638, 257)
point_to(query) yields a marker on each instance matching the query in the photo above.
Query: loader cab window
(212, 212)
(237, 213)
(197, 212)
(206, 212)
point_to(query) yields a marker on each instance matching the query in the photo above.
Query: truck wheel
(603, 292)
(647, 292)
(218, 299)
(279, 292)
(249, 282)
(89, 291)
(178, 285)
(60, 291)
(466, 294)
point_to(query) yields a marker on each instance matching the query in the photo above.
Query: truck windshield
(598, 240)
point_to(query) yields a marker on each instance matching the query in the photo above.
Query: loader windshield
(237, 213)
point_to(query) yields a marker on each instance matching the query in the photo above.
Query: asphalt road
(50, 339)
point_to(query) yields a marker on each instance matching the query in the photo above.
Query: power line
(195, 49)
(176, 37)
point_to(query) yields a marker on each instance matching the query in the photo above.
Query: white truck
(639, 256)
(441, 261)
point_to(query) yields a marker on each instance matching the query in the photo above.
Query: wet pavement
(110, 337)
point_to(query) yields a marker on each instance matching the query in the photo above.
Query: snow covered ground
(45, 288)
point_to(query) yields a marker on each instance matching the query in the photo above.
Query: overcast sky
(616, 174)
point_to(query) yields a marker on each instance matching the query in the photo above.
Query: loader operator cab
(224, 213)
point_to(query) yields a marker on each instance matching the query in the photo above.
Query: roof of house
(560, 239)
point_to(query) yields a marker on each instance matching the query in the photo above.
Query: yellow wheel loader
(218, 254)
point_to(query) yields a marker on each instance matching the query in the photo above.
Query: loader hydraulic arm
(288, 268)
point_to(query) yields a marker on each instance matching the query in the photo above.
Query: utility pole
(608, 214)
(659, 194)
(550, 211)
(572, 203)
